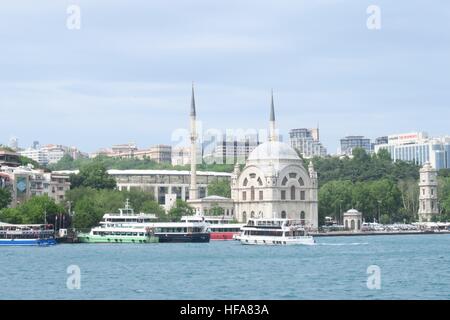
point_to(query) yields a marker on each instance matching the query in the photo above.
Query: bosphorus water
(412, 267)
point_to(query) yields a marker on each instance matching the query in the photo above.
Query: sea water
(409, 267)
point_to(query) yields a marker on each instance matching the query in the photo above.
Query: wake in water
(343, 244)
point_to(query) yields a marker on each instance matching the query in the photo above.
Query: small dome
(352, 212)
(273, 150)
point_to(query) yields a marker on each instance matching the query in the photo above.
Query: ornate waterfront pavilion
(273, 184)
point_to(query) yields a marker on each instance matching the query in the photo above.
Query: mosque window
(284, 182)
(252, 193)
(283, 214)
(260, 181)
(300, 180)
(252, 214)
(292, 193)
(261, 195)
(244, 195)
(245, 182)
(302, 195)
(302, 217)
(292, 175)
(253, 175)
(283, 194)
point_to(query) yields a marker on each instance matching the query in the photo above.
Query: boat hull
(183, 237)
(87, 238)
(28, 242)
(223, 236)
(280, 241)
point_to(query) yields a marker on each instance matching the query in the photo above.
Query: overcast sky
(126, 74)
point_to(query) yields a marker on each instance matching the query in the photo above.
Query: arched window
(283, 214)
(300, 180)
(292, 193)
(252, 193)
(353, 224)
(260, 183)
(245, 182)
(284, 182)
(359, 224)
(346, 224)
(244, 195)
(252, 214)
(244, 216)
(302, 217)
(292, 175)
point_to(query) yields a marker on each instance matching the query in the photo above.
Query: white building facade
(419, 148)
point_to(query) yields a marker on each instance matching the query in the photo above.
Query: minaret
(193, 191)
(272, 133)
(428, 199)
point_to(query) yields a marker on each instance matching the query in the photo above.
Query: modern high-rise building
(230, 149)
(14, 143)
(419, 148)
(307, 142)
(352, 142)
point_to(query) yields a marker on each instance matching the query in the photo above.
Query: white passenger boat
(274, 232)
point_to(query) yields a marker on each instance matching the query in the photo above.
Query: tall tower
(428, 199)
(272, 132)
(193, 190)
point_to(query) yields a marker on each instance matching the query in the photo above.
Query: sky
(125, 75)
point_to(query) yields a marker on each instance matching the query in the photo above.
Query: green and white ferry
(122, 227)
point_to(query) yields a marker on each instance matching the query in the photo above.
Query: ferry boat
(118, 234)
(181, 231)
(122, 227)
(220, 228)
(114, 224)
(274, 232)
(27, 235)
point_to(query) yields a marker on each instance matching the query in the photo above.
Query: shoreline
(374, 233)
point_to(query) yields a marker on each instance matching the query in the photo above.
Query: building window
(302, 183)
(253, 175)
(261, 195)
(292, 193)
(283, 194)
(292, 175)
(284, 182)
(260, 183)
(432, 192)
(302, 217)
(244, 195)
(283, 214)
(302, 195)
(252, 193)
(245, 182)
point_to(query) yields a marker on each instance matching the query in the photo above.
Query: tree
(151, 206)
(220, 188)
(180, 209)
(37, 210)
(93, 175)
(5, 198)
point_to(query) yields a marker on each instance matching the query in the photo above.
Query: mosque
(273, 183)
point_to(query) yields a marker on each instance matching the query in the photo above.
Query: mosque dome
(273, 151)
